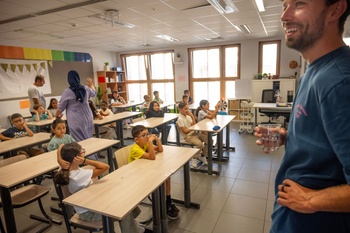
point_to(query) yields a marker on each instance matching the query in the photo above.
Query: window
(149, 72)
(269, 57)
(213, 72)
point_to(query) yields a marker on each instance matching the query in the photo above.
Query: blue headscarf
(75, 86)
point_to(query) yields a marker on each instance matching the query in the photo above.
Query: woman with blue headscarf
(75, 101)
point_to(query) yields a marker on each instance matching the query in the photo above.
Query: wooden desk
(153, 122)
(272, 106)
(207, 125)
(22, 171)
(165, 106)
(131, 105)
(123, 197)
(39, 124)
(118, 119)
(18, 143)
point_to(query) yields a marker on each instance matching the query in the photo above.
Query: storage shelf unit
(115, 81)
(234, 108)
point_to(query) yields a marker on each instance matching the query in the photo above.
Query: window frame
(278, 55)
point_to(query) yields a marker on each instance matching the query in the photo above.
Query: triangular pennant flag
(13, 67)
(4, 66)
(50, 63)
(43, 65)
(21, 67)
(28, 66)
(35, 67)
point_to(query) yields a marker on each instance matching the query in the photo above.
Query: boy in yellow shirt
(144, 148)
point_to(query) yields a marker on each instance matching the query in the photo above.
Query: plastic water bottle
(278, 97)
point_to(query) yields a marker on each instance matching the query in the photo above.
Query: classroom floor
(239, 200)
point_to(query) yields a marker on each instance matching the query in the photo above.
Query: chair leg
(2, 229)
(47, 218)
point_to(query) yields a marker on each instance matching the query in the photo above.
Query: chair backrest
(13, 159)
(122, 155)
(268, 96)
(222, 113)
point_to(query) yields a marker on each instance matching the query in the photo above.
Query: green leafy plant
(106, 63)
(99, 93)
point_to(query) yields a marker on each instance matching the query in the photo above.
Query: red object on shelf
(101, 79)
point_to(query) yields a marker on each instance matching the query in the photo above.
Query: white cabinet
(284, 85)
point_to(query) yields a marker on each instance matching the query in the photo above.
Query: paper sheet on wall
(17, 75)
(243, 89)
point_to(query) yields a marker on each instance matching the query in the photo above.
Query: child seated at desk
(185, 121)
(19, 130)
(144, 148)
(40, 113)
(58, 135)
(145, 104)
(155, 111)
(105, 131)
(203, 111)
(53, 106)
(77, 178)
(185, 99)
(156, 97)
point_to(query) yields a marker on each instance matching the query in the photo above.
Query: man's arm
(305, 200)
(35, 101)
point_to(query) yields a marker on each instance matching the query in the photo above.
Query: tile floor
(238, 201)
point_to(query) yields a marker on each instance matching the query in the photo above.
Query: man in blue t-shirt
(312, 184)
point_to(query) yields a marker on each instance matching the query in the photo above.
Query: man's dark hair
(344, 16)
(15, 115)
(155, 92)
(186, 92)
(39, 77)
(135, 132)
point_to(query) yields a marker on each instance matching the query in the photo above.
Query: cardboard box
(233, 104)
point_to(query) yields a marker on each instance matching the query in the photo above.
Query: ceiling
(189, 21)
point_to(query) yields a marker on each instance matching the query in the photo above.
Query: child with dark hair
(53, 106)
(203, 111)
(144, 148)
(154, 110)
(107, 131)
(77, 178)
(58, 135)
(157, 98)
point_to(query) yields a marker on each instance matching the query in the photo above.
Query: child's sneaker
(171, 213)
(173, 206)
(203, 159)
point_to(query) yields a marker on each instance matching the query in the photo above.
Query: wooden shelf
(115, 80)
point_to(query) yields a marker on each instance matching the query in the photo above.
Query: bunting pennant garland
(4, 66)
(35, 67)
(13, 67)
(29, 67)
(21, 67)
(50, 63)
(43, 65)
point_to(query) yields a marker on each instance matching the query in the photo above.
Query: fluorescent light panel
(168, 38)
(244, 28)
(223, 6)
(35, 33)
(260, 5)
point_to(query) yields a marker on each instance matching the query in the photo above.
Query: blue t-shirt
(43, 116)
(15, 133)
(317, 154)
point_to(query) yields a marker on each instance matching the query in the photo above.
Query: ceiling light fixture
(223, 6)
(35, 33)
(108, 17)
(244, 28)
(214, 38)
(168, 38)
(260, 5)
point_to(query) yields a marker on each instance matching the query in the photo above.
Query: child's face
(54, 104)
(185, 100)
(205, 107)
(142, 139)
(147, 98)
(115, 95)
(41, 110)
(156, 94)
(60, 130)
(156, 107)
(103, 106)
(184, 110)
(18, 122)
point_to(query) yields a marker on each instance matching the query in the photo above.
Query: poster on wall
(17, 75)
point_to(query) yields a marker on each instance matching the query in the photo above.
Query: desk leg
(256, 117)
(163, 215)
(97, 131)
(156, 212)
(108, 224)
(210, 153)
(120, 136)
(164, 139)
(8, 210)
(219, 143)
(110, 159)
